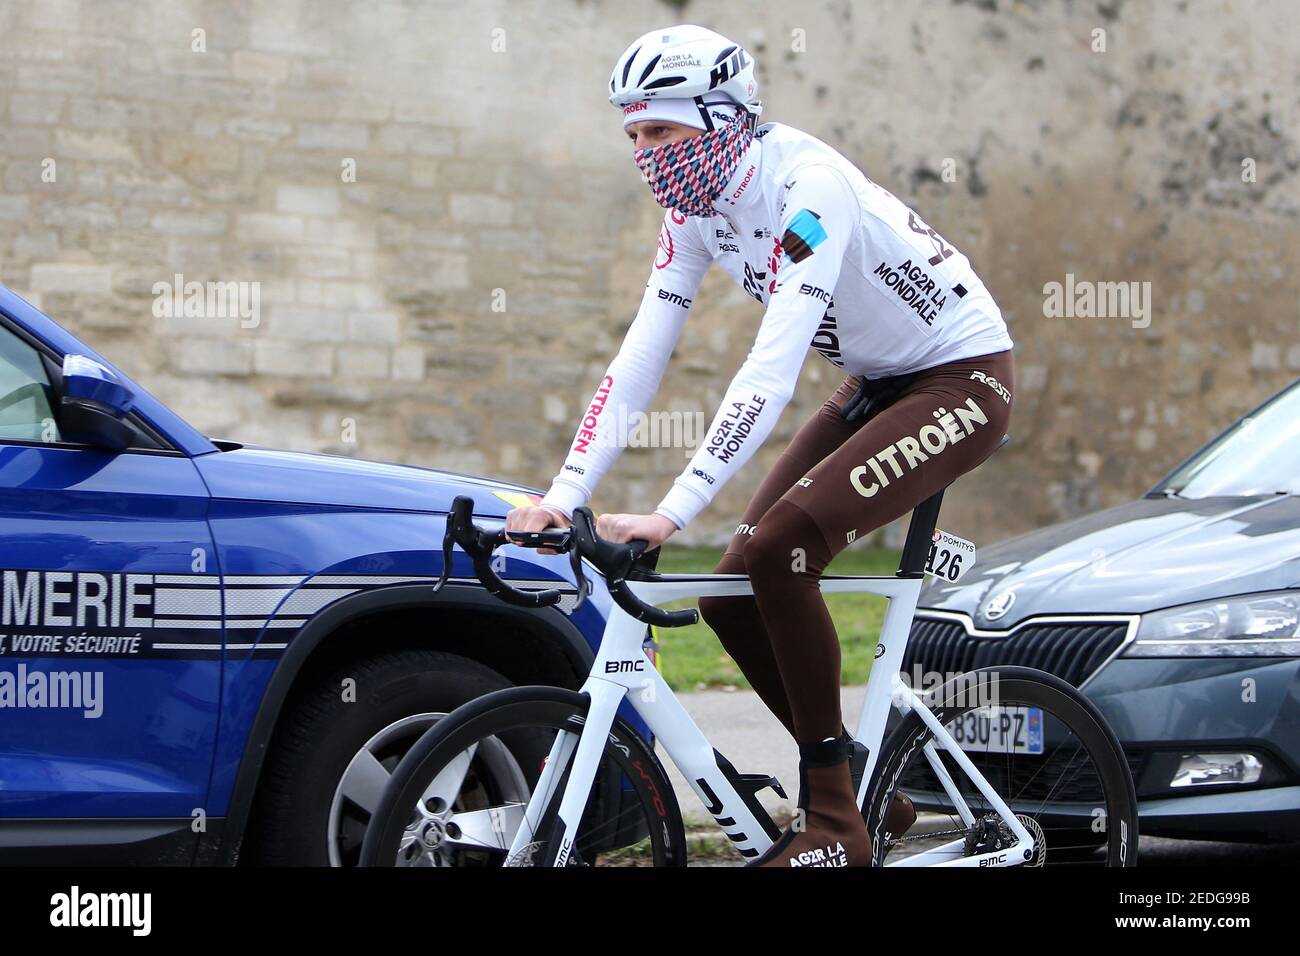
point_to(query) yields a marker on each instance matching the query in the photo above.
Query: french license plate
(999, 730)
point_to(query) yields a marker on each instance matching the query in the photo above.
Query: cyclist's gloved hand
(874, 396)
(536, 518)
(654, 529)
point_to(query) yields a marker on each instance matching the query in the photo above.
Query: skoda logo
(998, 605)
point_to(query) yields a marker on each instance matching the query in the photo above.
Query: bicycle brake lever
(460, 507)
(479, 545)
(579, 579)
(447, 543)
(614, 561)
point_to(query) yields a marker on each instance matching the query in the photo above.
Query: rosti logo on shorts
(953, 426)
(994, 384)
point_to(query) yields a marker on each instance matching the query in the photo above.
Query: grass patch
(692, 659)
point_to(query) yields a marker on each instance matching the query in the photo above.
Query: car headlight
(1252, 625)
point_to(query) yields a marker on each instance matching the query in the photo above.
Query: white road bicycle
(1009, 766)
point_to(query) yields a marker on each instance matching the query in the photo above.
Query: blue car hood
(264, 474)
(1149, 554)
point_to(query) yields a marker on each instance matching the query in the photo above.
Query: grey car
(1179, 616)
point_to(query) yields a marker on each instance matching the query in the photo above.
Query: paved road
(746, 733)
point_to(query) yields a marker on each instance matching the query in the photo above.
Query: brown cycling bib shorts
(839, 480)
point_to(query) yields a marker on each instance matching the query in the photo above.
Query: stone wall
(455, 305)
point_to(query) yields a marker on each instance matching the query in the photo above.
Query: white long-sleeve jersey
(842, 266)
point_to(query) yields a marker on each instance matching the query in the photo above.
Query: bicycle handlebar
(580, 541)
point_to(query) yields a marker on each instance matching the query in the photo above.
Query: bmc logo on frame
(623, 667)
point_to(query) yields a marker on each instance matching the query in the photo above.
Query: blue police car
(213, 653)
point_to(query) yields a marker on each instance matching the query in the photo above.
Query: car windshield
(1260, 455)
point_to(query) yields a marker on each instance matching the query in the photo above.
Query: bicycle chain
(927, 836)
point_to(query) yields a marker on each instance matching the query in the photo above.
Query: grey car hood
(1151, 553)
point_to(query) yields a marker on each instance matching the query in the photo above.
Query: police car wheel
(337, 743)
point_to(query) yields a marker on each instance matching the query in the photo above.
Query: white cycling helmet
(686, 62)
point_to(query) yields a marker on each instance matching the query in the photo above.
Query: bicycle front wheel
(460, 795)
(1045, 750)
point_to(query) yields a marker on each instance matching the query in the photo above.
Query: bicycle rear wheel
(1044, 749)
(459, 795)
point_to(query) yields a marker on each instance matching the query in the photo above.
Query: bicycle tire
(506, 713)
(1021, 685)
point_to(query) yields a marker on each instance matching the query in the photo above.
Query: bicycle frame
(621, 670)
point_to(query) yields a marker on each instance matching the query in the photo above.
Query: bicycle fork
(571, 764)
(575, 757)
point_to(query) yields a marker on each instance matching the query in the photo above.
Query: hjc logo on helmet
(725, 71)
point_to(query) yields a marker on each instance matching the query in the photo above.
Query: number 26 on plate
(950, 556)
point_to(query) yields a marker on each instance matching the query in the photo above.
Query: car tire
(304, 814)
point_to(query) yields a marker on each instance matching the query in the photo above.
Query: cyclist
(843, 267)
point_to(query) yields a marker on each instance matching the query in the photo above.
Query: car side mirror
(94, 405)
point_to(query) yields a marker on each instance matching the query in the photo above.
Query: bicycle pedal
(754, 782)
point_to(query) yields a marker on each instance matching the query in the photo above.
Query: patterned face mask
(689, 175)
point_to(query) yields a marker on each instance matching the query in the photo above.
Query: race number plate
(950, 556)
(999, 730)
